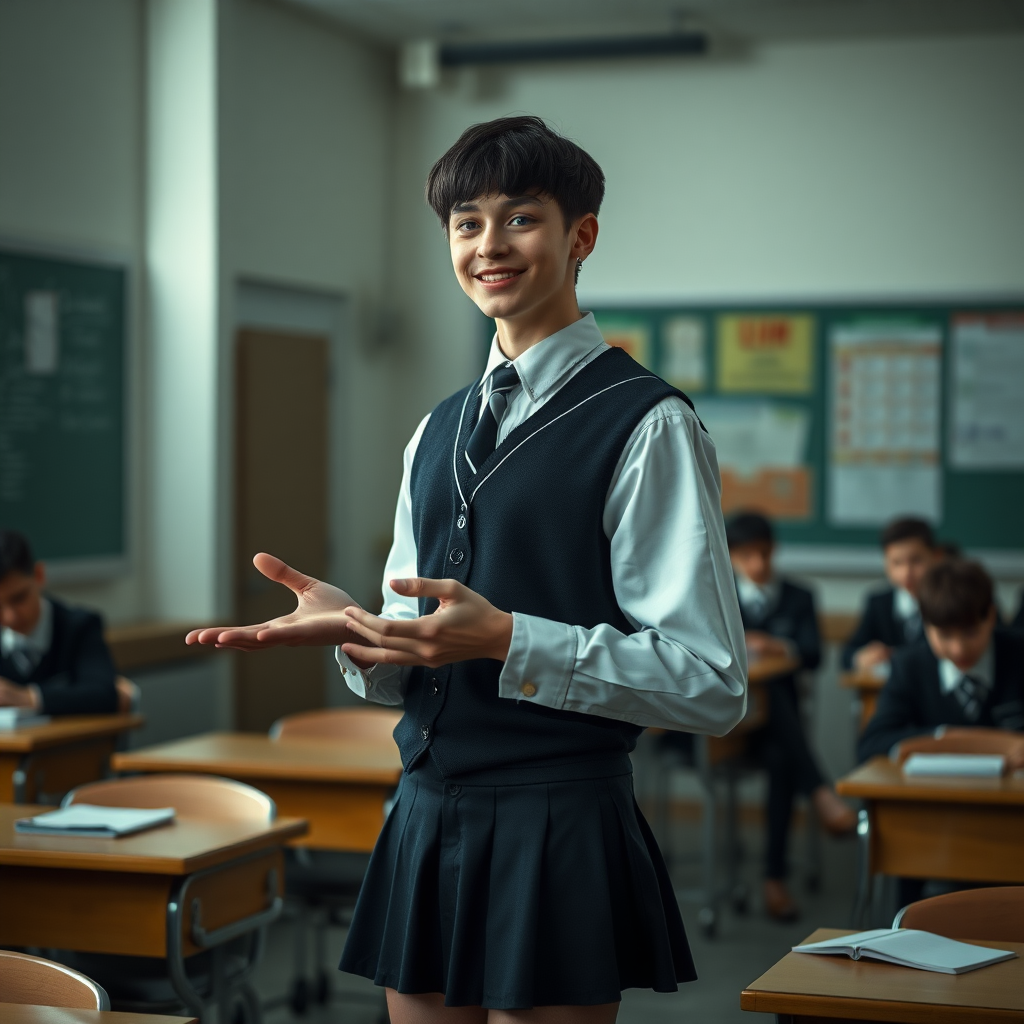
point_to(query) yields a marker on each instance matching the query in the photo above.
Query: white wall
(860, 168)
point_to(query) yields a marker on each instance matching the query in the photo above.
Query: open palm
(319, 619)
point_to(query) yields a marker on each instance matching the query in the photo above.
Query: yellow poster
(634, 337)
(766, 354)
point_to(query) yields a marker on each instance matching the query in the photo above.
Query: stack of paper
(977, 766)
(909, 947)
(95, 822)
(14, 718)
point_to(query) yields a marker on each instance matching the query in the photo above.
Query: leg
(604, 1013)
(429, 1008)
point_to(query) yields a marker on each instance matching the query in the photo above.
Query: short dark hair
(748, 528)
(955, 594)
(15, 553)
(515, 156)
(908, 528)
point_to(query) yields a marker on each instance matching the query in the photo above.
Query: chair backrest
(192, 796)
(337, 724)
(995, 914)
(38, 982)
(129, 696)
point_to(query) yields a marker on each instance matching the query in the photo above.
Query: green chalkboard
(62, 436)
(971, 483)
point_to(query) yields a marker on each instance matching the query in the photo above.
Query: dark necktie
(971, 694)
(484, 438)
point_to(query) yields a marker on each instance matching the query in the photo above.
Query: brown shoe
(838, 818)
(778, 904)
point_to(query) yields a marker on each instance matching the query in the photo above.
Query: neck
(519, 333)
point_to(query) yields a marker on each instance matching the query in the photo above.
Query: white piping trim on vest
(455, 451)
(544, 427)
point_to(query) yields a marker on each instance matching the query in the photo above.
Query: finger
(386, 641)
(423, 627)
(209, 634)
(381, 655)
(419, 586)
(281, 572)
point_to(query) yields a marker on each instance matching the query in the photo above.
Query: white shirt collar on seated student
(904, 604)
(755, 598)
(542, 367)
(983, 671)
(34, 644)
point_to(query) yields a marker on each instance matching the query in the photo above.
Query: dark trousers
(783, 749)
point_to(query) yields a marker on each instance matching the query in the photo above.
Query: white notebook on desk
(16, 718)
(908, 947)
(973, 766)
(91, 821)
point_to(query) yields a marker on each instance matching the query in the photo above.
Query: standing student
(966, 672)
(891, 617)
(779, 619)
(559, 579)
(53, 658)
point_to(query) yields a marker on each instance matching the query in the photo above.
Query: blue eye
(522, 218)
(468, 225)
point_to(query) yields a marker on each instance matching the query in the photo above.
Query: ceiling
(394, 21)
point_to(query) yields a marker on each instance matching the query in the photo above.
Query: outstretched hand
(320, 618)
(464, 626)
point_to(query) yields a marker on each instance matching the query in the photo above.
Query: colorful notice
(684, 359)
(766, 354)
(986, 423)
(884, 445)
(762, 452)
(630, 335)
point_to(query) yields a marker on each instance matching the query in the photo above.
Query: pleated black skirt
(509, 897)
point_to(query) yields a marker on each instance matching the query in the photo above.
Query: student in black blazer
(891, 618)
(53, 658)
(779, 618)
(966, 672)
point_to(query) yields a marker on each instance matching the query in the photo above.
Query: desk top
(805, 983)
(19, 1013)
(255, 756)
(880, 779)
(862, 679)
(65, 730)
(186, 845)
(760, 670)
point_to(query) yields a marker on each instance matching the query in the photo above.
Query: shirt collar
(754, 596)
(542, 366)
(904, 604)
(983, 670)
(38, 640)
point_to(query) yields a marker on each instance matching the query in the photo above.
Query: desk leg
(862, 900)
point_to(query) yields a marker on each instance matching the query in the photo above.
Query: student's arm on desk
(896, 717)
(865, 633)
(88, 687)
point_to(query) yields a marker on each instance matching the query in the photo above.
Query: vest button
(461, 522)
(457, 555)
(433, 683)
(454, 790)
(425, 732)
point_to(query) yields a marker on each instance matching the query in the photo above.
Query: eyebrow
(514, 201)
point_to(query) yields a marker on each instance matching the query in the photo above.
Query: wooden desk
(339, 786)
(806, 987)
(969, 830)
(20, 1013)
(59, 755)
(867, 687)
(169, 892)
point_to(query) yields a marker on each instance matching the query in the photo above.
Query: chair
(995, 914)
(325, 881)
(217, 975)
(37, 982)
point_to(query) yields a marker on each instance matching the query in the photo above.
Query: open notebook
(96, 822)
(15, 718)
(977, 766)
(909, 947)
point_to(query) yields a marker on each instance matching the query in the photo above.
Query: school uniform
(515, 869)
(923, 693)
(890, 617)
(65, 658)
(786, 611)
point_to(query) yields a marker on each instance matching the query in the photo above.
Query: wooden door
(280, 507)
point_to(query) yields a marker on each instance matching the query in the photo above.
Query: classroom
(744, 281)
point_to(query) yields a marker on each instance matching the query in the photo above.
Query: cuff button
(529, 690)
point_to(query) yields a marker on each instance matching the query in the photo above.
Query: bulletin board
(62, 422)
(835, 418)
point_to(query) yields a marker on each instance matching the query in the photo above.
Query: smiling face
(516, 259)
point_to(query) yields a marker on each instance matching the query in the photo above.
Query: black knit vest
(525, 532)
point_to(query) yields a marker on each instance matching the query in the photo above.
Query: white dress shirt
(983, 671)
(685, 667)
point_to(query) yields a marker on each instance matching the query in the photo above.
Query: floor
(743, 948)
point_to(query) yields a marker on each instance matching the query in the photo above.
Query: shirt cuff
(540, 661)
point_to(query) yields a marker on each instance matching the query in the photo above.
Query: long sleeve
(685, 666)
(866, 631)
(86, 684)
(897, 716)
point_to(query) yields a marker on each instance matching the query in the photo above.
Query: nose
(492, 243)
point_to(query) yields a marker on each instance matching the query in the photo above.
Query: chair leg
(298, 997)
(813, 871)
(321, 979)
(862, 899)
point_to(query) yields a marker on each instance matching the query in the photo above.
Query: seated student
(779, 618)
(891, 618)
(52, 658)
(967, 671)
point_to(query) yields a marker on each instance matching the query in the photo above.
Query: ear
(39, 574)
(584, 237)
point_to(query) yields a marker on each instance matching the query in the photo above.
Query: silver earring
(579, 264)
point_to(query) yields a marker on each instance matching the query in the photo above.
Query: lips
(498, 276)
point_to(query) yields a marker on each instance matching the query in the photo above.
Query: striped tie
(971, 693)
(484, 438)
